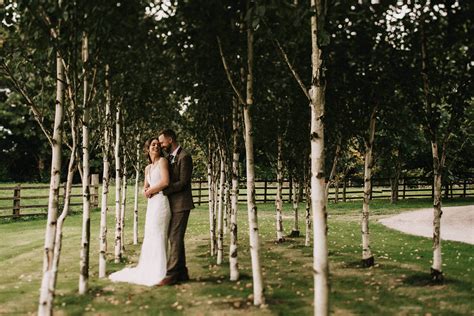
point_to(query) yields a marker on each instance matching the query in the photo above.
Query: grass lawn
(397, 285)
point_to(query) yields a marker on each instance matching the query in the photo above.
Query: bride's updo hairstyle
(146, 148)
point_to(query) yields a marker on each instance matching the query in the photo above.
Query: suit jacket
(179, 190)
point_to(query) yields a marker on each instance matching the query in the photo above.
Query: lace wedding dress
(151, 268)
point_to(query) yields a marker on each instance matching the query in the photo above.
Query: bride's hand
(149, 193)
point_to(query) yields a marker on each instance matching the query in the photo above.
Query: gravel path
(457, 223)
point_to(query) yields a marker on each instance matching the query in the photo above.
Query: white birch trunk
(438, 164)
(332, 175)
(307, 190)
(258, 298)
(118, 187)
(105, 180)
(210, 183)
(436, 268)
(227, 202)
(279, 197)
(318, 189)
(220, 215)
(67, 199)
(123, 205)
(135, 201)
(86, 198)
(295, 232)
(45, 306)
(233, 248)
(367, 256)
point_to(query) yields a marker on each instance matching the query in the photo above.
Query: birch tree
(233, 247)
(123, 204)
(45, 306)
(118, 187)
(135, 200)
(210, 184)
(220, 212)
(258, 298)
(85, 240)
(105, 178)
(318, 196)
(367, 256)
(279, 196)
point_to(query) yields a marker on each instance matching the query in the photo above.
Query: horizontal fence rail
(347, 190)
(26, 200)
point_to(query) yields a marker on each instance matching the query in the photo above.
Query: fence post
(16, 201)
(344, 190)
(290, 194)
(95, 190)
(199, 197)
(404, 188)
(464, 190)
(265, 191)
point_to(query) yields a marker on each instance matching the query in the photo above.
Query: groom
(181, 202)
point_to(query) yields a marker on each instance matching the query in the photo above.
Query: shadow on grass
(423, 279)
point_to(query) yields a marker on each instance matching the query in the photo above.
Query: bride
(151, 267)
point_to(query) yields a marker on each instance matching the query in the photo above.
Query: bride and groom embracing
(167, 187)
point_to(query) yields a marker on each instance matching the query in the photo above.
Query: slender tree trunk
(295, 232)
(334, 167)
(367, 256)
(258, 297)
(337, 182)
(279, 197)
(394, 183)
(105, 179)
(135, 200)
(438, 163)
(210, 182)
(318, 187)
(86, 221)
(436, 268)
(307, 240)
(233, 248)
(220, 214)
(45, 306)
(67, 198)
(124, 201)
(118, 187)
(227, 202)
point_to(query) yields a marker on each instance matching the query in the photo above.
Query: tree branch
(36, 113)
(292, 69)
(229, 77)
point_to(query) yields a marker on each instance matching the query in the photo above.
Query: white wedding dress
(151, 268)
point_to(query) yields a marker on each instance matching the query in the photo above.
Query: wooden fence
(30, 200)
(33, 199)
(350, 189)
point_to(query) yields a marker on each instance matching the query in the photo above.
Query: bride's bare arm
(146, 185)
(165, 178)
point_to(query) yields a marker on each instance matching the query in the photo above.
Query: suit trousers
(177, 254)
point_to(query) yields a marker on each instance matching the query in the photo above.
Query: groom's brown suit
(179, 193)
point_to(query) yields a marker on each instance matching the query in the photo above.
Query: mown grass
(398, 284)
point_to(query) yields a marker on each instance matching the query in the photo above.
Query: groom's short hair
(169, 133)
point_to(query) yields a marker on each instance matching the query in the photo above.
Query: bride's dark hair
(146, 148)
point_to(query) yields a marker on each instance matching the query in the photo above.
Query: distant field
(397, 285)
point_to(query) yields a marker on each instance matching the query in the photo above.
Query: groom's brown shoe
(168, 281)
